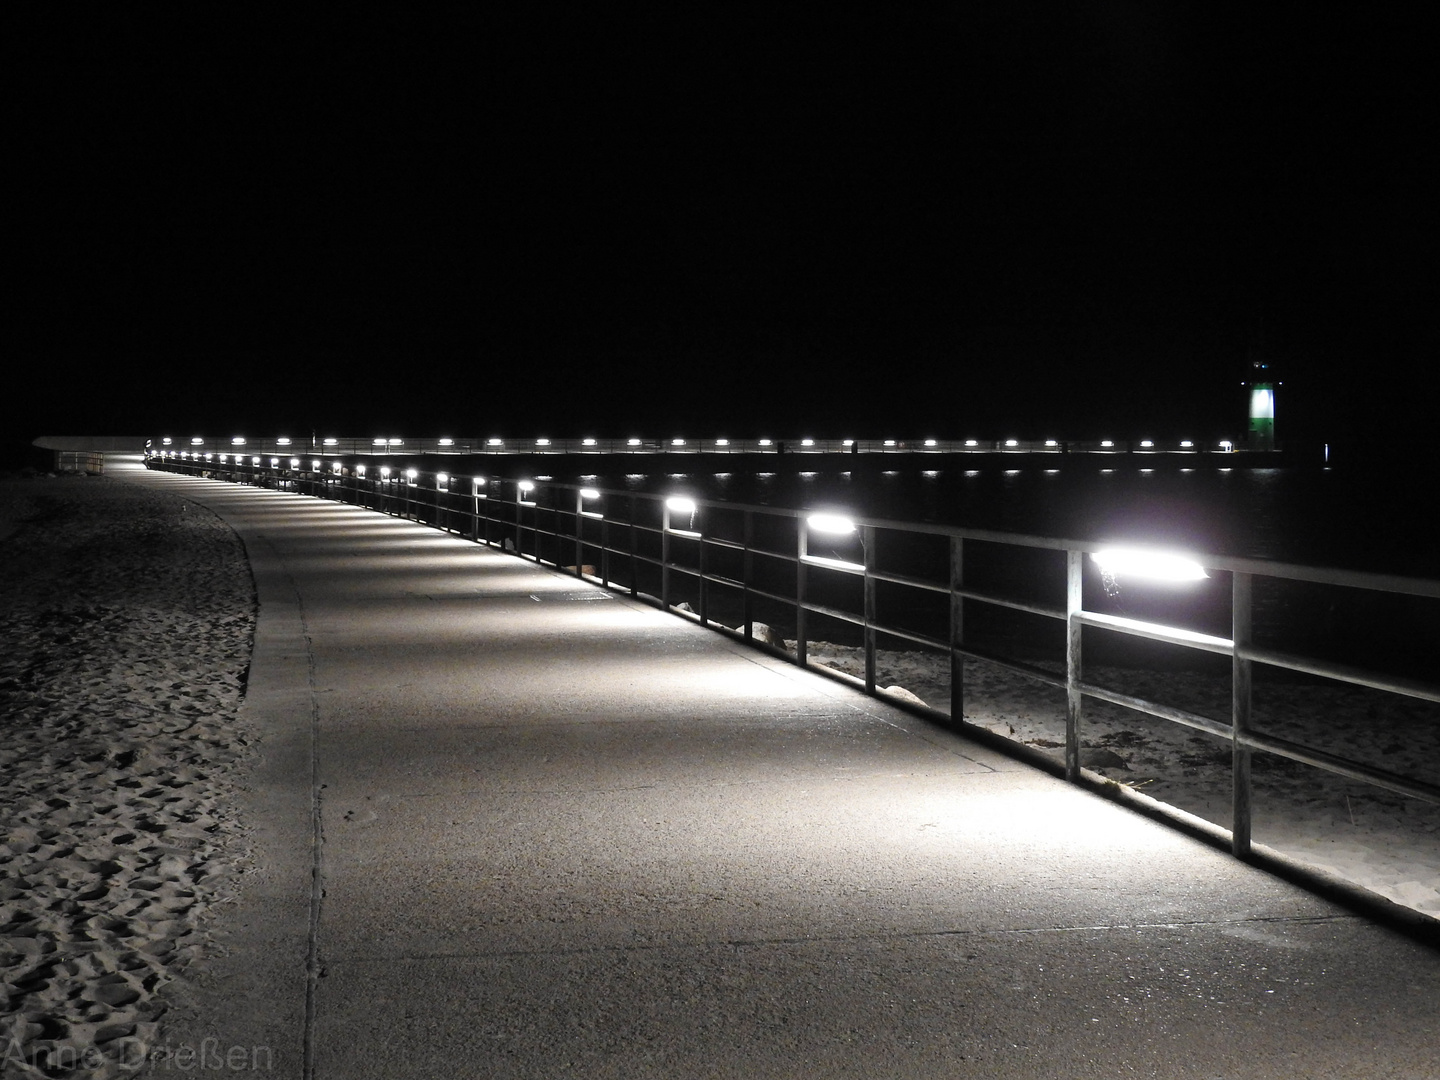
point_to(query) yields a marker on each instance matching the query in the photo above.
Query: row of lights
(497, 442)
(1132, 562)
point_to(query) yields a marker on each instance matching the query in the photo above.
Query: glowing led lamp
(722, 442)
(315, 466)
(587, 442)
(385, 472)
(411, 474)
(447, 442)
(526, 485)
(197, 441)
(494, 442)
(332, 442)
(282, 441)
(971, 442)
(679, 504)
(589, 493)
(632, 442)
(930, 442)
(807, 442)
(764, 442)
(1107, 443)
(1012, 442)
(677, 442)
(379, 442)
(441, 479)
(1150, 565)
(838, 524)
(238, 440)
(542, 442)
(294, 462)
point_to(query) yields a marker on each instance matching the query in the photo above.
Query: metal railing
(762, 555)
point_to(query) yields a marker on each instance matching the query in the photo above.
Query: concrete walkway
(510, 825)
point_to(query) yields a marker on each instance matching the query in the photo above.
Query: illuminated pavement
(561, 833)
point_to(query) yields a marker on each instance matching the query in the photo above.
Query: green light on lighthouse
(1262, 408)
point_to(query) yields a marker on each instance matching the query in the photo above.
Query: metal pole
(1074, 603)
(605, 552)
(872, 614)
(800, 643)
(665, 555)
(1240, 700)
(579, 525)
(490, 482)
(704, 590)
(519, 502)
(634, 579)
(957, 629)
(747, 572)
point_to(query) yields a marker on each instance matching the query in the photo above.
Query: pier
(510, 823)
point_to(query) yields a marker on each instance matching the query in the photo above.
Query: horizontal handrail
(1164, 712)
(1394, 684)
(1404, 785)
(1014, 605)
(1174, 635)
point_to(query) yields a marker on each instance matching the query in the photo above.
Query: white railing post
(957, 629)
(800, 550)
(1240, 698)
(1074, 603)
(867, 543)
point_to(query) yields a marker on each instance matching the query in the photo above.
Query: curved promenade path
(509, 825)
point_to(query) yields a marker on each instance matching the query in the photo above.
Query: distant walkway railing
(728, 564)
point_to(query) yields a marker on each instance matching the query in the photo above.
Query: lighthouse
(1262, 406)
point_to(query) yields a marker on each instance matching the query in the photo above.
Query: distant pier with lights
(665, 454)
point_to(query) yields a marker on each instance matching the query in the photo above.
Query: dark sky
(994, 219)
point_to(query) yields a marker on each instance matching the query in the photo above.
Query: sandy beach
(129, 617)
(128, 622)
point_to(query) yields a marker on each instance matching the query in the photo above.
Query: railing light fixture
(1150, 565)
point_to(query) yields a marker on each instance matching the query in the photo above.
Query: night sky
(1008, 219)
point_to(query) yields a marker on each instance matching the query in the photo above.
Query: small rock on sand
(900, 693)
